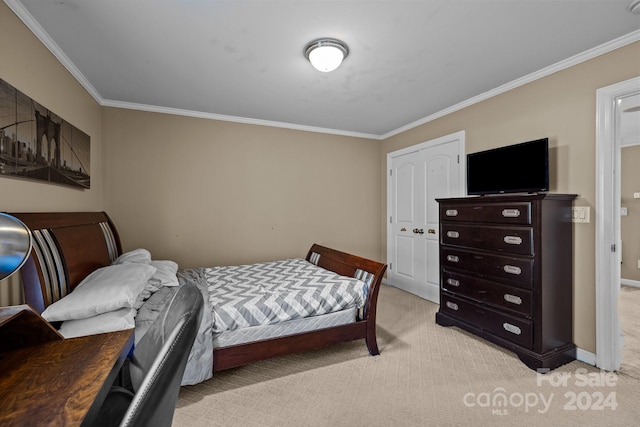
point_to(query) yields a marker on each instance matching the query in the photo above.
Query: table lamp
(15, 244)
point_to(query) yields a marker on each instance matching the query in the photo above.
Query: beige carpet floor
(426, 375)
(629, 309)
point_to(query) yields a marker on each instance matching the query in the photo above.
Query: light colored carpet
(629, 309)
(426, 375)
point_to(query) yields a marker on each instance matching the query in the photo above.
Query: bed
(70, 246)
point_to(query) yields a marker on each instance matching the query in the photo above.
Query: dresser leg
(551, 360)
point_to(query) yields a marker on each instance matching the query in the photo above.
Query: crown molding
(35, 27)
(559, 66)
(235, 119)
(44, 37)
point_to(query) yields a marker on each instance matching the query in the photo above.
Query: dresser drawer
(517, 300)
(505, 213)
(518, 240)
(513, 270)
(518, 331)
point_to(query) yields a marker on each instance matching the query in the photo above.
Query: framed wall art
(35, 143)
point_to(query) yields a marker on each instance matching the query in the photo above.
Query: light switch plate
(580, 214)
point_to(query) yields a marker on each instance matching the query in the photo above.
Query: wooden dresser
(506, 273)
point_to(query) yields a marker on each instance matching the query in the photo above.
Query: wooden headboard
(67, 246)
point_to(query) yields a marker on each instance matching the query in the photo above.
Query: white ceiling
(409, 61)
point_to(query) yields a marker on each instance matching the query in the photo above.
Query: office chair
(157, 366)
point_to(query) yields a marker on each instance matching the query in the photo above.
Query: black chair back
(159, 360)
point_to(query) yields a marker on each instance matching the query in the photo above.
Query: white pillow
(106, 322)
(141, 256)
(165, 274)
(166, 270)
(106, 289)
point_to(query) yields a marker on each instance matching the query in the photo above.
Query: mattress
(261, 332)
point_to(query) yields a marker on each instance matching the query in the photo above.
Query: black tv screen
(518, 168)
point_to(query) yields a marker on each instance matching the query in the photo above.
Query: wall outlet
(636, 195)
(580, 214)
(624, 212)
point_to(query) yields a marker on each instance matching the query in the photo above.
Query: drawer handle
(513, 299)
(452, 258)
(453, 234)
(451, 212)
(452, 305)
(512, 328)
(513, 240)
(453, 282)
(511, 213)
(512, 269)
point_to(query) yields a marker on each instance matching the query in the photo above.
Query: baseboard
(629, 282)
(586, 356)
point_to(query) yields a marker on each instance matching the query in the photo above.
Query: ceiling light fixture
(326, 54)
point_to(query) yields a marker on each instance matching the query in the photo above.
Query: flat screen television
(517, 168)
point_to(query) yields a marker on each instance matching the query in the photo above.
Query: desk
(61, 382)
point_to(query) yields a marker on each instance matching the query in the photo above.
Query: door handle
(418, 231)
(431, 231)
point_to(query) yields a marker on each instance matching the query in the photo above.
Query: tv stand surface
(524, 193)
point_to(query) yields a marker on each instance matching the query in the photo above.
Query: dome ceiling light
(326, 54)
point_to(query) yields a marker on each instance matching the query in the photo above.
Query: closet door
(441, 180)
(417, 177)
(407, 223)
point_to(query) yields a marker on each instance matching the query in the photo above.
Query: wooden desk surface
(21, 326)
(57, 382)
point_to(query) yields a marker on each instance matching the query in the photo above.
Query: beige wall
(29, 66)
(630, 224)
(206, 192)
(562, 107)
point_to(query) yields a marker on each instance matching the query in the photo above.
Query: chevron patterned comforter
(272, 292)
(251, 295)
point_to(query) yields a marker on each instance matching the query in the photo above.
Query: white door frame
(608, 332)
(462, 189)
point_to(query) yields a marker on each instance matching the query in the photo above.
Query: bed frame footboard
(365, 328)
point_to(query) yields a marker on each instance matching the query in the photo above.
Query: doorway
(417, 176)
(629, 300)
(608, 235)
